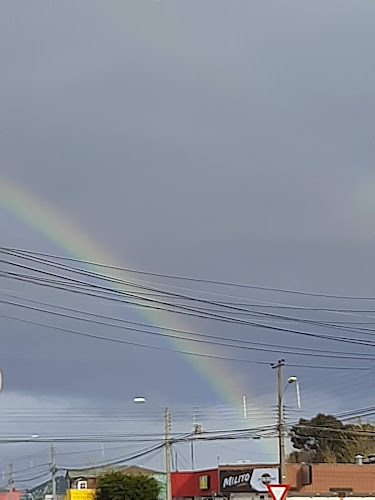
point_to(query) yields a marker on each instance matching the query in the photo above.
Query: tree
(364, 443)
(324, 438)
(115, 485)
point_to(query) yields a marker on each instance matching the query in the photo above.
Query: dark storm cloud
(224, 139)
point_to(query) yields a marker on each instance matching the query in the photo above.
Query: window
(204, 482)
(82, 485)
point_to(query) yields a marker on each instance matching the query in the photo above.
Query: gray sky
(228, 140)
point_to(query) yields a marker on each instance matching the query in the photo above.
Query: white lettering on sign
(236, 480)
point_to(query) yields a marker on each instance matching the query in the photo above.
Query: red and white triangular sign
(278, 491)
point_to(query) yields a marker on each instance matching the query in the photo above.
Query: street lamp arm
(143, 400)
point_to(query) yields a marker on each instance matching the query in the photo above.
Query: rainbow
(62, 232)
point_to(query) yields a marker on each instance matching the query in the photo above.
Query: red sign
(278, 491)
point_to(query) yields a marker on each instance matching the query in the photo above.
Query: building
(6, 495)
(228, 481)
(248, 482)
(82, 482)
(331, 479)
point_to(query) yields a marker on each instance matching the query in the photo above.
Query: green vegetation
(324, 438)
(115, 485)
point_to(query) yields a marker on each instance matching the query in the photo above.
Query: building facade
(227, 481)
(195, 484)
(248, 482)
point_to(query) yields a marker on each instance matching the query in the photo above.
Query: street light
(167, 442)
(139, 400)
(280, 407)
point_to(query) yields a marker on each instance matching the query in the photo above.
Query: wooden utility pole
(167, 427)
(10, 481)
(53, 471)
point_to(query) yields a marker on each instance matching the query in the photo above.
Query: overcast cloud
(229, 140)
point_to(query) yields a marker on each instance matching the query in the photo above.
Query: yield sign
(278, 491)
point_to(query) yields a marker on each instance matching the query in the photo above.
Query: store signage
(204, 482)
(239, 479)
(247, 479)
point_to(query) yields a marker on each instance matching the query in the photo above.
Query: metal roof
(94, 472)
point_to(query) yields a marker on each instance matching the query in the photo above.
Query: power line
(234, 309)
(186, 278)
(192, 312)
(220, 317)
(161, 292)
(31, 479)
(207, 435)
(137, 284)
(189, 353)
(137, 344)
(121, 460)
(217, 340)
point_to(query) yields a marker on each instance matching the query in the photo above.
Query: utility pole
(192, 444)
(192, 454)
(10, 481)
(167, 424)
(53, 471)
(281, 425)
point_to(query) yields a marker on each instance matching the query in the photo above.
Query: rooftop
(95, 472)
